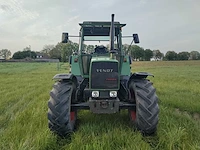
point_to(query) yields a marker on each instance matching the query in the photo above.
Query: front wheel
(145, 117)
(61, 118)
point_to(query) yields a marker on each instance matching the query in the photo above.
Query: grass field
(24, 92)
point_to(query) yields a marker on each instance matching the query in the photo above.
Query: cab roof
(100, 24)
(99, 28)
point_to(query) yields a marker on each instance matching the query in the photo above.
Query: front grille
(104, 75)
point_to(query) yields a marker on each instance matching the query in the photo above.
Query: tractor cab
(98, 33)
(107, 46)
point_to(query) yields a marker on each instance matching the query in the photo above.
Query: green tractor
(102, 82)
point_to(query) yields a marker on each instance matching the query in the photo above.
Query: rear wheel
(61, 119)
(145, 117)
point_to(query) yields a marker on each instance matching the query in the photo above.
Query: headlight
(95, 93)
(113, 93)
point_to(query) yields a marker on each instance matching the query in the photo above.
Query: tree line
(62, 52)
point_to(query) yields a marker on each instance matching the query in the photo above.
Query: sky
(161, 24)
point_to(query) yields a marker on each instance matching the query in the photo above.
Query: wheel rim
(133, 115)
(72, 115)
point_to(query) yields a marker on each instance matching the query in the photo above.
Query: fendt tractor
(101, 81)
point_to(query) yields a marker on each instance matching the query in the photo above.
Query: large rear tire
(61, 119)
(145, 117)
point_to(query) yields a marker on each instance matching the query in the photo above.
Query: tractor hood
(104, 73)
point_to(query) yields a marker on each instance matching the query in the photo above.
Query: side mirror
(70, 60)
(65, 37)
(136, 38)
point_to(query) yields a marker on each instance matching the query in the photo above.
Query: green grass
(24, 92)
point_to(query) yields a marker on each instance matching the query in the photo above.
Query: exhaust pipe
(112, 33)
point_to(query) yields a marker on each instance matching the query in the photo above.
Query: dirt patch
(195, 116)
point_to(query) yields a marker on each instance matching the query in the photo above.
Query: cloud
(72, 19)
(5, 7)
(102, 4)
(15, 8)
(73, 10)
(36, 37)
(160, 24)
(143, 2)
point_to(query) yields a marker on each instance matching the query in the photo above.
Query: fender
(140, 75)
(65, 76)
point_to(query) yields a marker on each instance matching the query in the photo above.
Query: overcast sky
(161, 24)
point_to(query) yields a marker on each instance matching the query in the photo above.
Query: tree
(125, 48)
(24, 54)
(75, 47)
(183, 56)
(62, 51)
(84, 48)
(157, 54)
(47, 48)
(194, 55)
(5, 53)
(90, 48)
(18, 55)
(148, 54)
(55, 53)
(171, 55)
(137, 52)
(27, 49)
(66, 51)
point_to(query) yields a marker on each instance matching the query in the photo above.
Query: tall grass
(24, 92)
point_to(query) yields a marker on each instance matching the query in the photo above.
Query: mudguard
(139, 75)
(65, 76)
